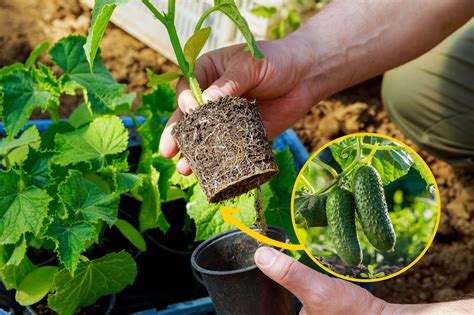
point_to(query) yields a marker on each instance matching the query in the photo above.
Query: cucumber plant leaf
(392, 164)
(7, 70)
(11, 276)
(81, 196)
(99, 88)
(23, 208)
(131, 233)
(36, 53)
(194, 45)
(101, 15)
(151, 215)
(157, 106)
(13, 254)
(21, 95)
(105, 135)
(29, 136)
(277, 202)
(35, 285)
(71, 240)
(229, 8)
(163, 78)
(93, 279)
(208, 218)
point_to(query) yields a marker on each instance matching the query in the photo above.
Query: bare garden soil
(445, 272)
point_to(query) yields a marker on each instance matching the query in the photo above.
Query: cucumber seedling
(224, 141)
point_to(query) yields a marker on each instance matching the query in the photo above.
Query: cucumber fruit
(371, 208)
(342, 226)
(313, 209)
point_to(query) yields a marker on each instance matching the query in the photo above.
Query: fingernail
(265, 256)
(211, 94)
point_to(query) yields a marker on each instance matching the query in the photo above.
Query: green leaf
(207, 217)
(7, 70)
(166, 168)
(29, 136)
(229, 8)
(104, 136)
(92, 280)
(132, 234)
(194, 45)
(294, 21)
(125, 182)
(22, 208)
(157, 107)
(99, 88)
(264, 12)
(12, 255)
(21, 95)
(101, 15)
(47, 137)
(12, 276)
(71, 241)
(391, 164)
(151, 215)
(163, 78)
(36, 53)
(380, 274)
(422, 168)
(36, 167)
(278, 207)
(82, 196)
(371, 268)
(35, 285)
(364, 275)
(81, 116)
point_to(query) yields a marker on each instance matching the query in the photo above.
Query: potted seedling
(224, 141)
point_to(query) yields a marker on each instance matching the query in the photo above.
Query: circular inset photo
(366, 207)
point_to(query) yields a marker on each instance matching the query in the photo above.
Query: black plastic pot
(234, 283)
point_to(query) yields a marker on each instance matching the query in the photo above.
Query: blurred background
(445, 272)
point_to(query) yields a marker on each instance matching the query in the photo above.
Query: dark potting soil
(226, 146)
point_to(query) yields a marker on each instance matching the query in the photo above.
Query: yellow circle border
(293, 222)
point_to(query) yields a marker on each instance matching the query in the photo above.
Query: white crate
(135, 19)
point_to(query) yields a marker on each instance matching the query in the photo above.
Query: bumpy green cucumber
(372, 208)
(340, 214)
(313, 209)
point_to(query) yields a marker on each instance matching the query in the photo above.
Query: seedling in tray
(224, 141)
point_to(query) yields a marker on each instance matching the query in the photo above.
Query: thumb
(232, 82)
(318, 293)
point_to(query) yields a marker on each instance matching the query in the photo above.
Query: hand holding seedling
(321, 294)
(321, 58)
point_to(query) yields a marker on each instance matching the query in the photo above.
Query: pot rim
(220, 236)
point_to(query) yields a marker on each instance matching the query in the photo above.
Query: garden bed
(445, 272)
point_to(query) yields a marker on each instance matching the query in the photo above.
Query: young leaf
(36, 53)
(93, 279)
(194, 45)
(11, 275)
(7, 70)
(422, 169)
(106, 135)
(294, 20)
(391, 164)
(132, 234)
(21, 95)
(156, 79)
(157, 107)
(229, 8)
(99, 88)
(101, 15)
(166, 168)
(151, 216)
(81, 116)
(208, 218)
(12, 255)
(35, 285)
(82, 196)
(71, 241)
(29, 136)
(264, 12)
(22, 208)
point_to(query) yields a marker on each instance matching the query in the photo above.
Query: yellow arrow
(229, 219)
